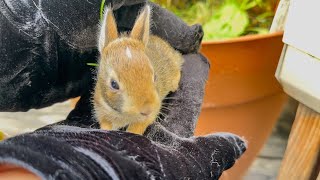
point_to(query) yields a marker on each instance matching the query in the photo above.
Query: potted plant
(242, 94)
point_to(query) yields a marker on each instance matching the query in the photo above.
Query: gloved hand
(65, 152)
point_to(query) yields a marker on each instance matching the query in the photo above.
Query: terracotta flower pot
(242, 94)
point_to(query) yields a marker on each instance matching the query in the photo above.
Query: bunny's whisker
(163, 117)
(165, 108)
(169, 104)
(162, 114)
(170, 98)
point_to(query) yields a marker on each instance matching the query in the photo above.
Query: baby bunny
(136, 72)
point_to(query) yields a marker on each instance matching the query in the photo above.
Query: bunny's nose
(146, 111)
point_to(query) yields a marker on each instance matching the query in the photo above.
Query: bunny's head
(126, 77)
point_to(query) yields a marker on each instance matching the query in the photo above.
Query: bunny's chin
(123, 120)
(136, 117)
(120, 119)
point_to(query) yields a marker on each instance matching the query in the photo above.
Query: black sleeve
(65, 152)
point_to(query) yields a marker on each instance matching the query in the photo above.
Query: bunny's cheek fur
(114, 100)
(134, 105)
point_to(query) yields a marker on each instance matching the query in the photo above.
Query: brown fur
(148, 56)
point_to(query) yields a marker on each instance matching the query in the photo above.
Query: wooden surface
(301, 159)
(302, 152)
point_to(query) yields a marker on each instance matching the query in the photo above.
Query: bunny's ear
(141, 27)
(108, 31)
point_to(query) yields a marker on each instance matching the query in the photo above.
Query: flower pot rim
(243, 38)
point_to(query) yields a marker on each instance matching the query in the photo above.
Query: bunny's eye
(114, 85)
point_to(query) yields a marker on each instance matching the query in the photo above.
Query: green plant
(225, 18)
(229, 21)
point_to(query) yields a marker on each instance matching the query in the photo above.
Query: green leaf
(93, 64)
(230, 21)
(101, 9)
(264, 16)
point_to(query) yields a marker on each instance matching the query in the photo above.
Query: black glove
(65, 152)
